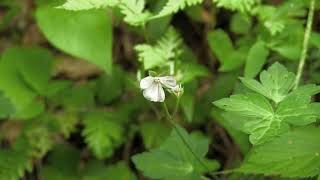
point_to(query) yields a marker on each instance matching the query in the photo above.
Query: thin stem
(176, 107)
(169, 117)
(305, 43)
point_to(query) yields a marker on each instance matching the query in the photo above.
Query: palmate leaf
(173, 160)
(251, 105)
(276, 83)
(294, 154)
(173, 6)
(264, 122)
(167, 48)
(102, 133)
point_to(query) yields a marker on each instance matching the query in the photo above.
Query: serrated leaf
(276, 83)
(173, 6)
(298, 110)
(102, 133)
(134, 12)
(14, 162)
(257, 57)
(85, 34)
(294, 154)
(251, 105)
(77, 5)
(174, 159)
(262, 124)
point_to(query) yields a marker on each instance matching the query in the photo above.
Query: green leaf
(110, 87)
(297, 110)
(153, 134)
(262, 123)
(63, 163)
(240, 5)
(102, 133)
(6, 107)
(250, 105)
(221, 45)
(240, 23)
(15, 161)
(240, 138)
(167, 48)
(134, 12)
(22, 82)
(257, 57)
(174, 6)
(275, 84)
(174, 159)
(77, 5)
(294, 154)
(120, 171)
(86, 35)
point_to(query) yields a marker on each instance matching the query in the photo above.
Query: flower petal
(146, 82)
(168, 81)
(154, 93)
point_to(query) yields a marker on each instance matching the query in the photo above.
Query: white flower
(153, 87)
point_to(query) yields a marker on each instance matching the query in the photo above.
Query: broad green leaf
(221, 45)
(240, 138)
(294, 154)
(263, 130)
(153, 134)
(86, 34)
(240, 23)
(297, 110)
(120, 171)
(24, 74)
(187, 100)
(102, 133)
(77, 5)
(174, 160)
(261, 122)
(174, 6)
(251, 105)
(6, 107)
(276, 83)
(307, 90)
(257, 57)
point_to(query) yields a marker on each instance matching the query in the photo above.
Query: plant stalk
(305, 43)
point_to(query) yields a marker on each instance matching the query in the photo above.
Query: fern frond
(167, 48)
(240, 5)
(77, 5)
(173, 6)
(102, 133)
(15, 161)
(134, 12)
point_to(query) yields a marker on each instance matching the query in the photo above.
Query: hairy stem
(305, 43)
